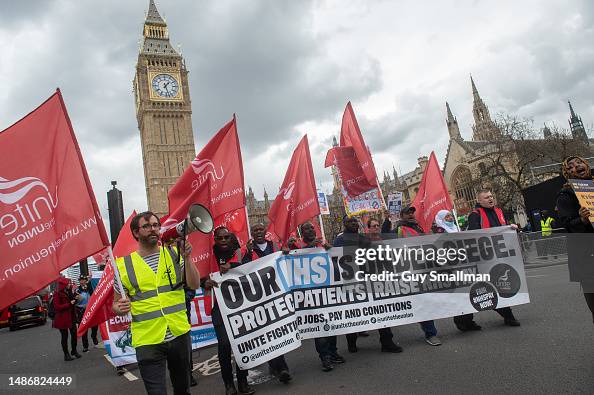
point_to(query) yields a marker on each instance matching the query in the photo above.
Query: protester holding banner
(64, 320)
(325, 346)
(226, 255)
(351, 237)
(484, 216)
(153, 280)
(409, 227)
(257, 248)
(574, 217)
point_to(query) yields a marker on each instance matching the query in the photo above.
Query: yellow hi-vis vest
(546, 227)
(155, 306)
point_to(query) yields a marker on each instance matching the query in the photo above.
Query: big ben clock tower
(163, 111)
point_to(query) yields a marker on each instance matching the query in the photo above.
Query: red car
(27, 311)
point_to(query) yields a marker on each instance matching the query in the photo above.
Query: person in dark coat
(256, 248)
(351, 237)
(484, 216)
(226, 255)
(409, 227)
(574, 217)
(64, 321)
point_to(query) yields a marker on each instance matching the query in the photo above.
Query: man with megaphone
(152, 279)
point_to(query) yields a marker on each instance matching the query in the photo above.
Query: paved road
(552, 352)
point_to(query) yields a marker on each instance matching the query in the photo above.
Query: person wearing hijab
(572, 216)
(445, 223)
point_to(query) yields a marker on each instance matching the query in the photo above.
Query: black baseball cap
(408, 209)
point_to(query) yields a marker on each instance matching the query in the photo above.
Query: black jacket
(568, 208)
(387, 226)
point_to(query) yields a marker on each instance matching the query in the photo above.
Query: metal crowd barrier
(537, 248)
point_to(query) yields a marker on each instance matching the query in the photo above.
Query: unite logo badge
(506, 279)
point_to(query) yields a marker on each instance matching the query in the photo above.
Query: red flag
(297, 199)
(432, 195)
(99, 306)
(214, 179)
(126, 243)
(49, 218)
(349, 170)
(350, 136)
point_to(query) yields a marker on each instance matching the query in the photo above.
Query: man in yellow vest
(546, 223)
(153, 282)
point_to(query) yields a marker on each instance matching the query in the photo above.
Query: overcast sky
(289, 67)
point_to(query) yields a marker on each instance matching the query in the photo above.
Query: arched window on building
(482, 169)
(464, 188)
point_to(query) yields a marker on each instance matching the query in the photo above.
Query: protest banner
(395, 203)
(584, 190)
(271, 304)
(117, 336)
(323, 201)
(368, 201)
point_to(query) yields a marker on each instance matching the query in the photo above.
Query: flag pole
(456, 216)
(380, 192)
(116, 273)
(247, 220)
(116, 276)
(322, 227)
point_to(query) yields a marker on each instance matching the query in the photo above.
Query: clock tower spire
(163, 111)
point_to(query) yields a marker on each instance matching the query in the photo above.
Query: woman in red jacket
(64, 300)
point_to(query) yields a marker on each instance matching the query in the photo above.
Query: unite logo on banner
(31, 207)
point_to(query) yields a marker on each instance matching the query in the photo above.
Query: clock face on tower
(164, 85)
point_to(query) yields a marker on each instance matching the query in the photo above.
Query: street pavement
(551, 353)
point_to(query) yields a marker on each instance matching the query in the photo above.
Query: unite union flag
(49, 217)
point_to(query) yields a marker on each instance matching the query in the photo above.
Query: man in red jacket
(484, 216)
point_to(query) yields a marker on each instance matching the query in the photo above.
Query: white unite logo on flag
(30, 207)
(204, 168)
(286, 193)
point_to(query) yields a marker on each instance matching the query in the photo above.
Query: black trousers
(278, 364)
(224, 348)
(385, 337)
(590, 301)
(152, 360)
(64, 338)
(85, 337)
(466, 319)
(326, 346)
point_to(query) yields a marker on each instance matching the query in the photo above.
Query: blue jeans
(429, 328)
